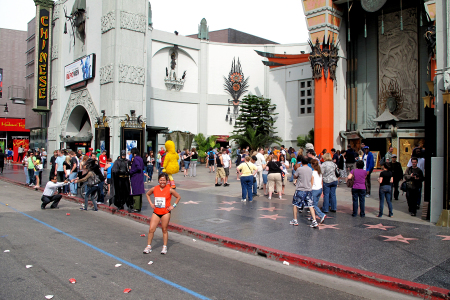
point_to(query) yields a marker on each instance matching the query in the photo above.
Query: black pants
(368, 183)
(412, 196)
(124, 192)
(61, 176)
(394, 190)
(55, 199)
(19, 157)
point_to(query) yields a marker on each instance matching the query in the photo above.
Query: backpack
(93, 180)
(211, 155)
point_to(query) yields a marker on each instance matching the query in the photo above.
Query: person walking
(162, 209)
(303, 193)
(358, 188)
(350, 158)
(109, 165)
(67, 170)
(121, 181)
(284, 173)
(264, 175)
(369, 165)
(49, 196)
(53, 164)
(417, 153)
(259, 166)
(342, 168)
(2, 161)
(59, 167)
(31, 160)
(220, 172)
(102, 161)
(20, 153)
(44, 157)
(247, 170)
(274, 177)
(151, 165)
(187, 162)
(317, 186)
(414, 178)
(92, 182)
(137, 179)
(74, 164)
(330, 183)
(25, 168)
(397, 174)
(226, 166)
(211, 158)
(37, 171)
(385, 190)
(193, 163)
(145, 160)
(388, 156)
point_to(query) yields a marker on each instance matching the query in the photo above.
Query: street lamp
(6, 108)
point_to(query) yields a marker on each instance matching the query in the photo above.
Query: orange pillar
(323, 114)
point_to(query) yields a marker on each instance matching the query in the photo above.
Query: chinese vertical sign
(1, 83)
(42, 59)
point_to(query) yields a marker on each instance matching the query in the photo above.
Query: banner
(13, 125)
(16, 144)
(42, 59)
(1, 83)
(80, 70)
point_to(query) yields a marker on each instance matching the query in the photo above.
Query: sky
(284, 24)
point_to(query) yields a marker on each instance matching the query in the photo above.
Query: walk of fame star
(378, 226)
(273, 217)
(325, 226)
(397, 238)
(269, 208)
(191, 202)
(228, 202)
(445, 237)
(227, 208)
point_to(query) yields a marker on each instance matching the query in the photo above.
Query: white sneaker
(164, 250)
(148, 249)
(243, 200)
(314, 224)
(293, 222)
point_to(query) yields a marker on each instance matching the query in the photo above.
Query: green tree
(302, 140)
(204, 143)
(254, 126)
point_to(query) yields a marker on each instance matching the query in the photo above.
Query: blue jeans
(25, 169)
(31, 176)
(361, 194)
(247, 184)
(292, 176)
(385, 191)
(186, 164)
(329, 196)
(90, 190)
(150, 171)
(255, 186)
(316, 197)
(265, 180)
(73, 185)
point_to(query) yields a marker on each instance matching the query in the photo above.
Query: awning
(158, 129)
(222, 138)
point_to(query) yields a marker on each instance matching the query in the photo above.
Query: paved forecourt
(404, 247)
(103, 254)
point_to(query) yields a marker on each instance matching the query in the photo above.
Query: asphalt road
(87, 246)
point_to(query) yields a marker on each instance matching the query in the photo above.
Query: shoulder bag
(351, 181)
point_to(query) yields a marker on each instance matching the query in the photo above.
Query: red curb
(390, 283)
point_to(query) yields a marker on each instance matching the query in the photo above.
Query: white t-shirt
(226, 160)
(365, 161)
(420, 164)
(317, 184)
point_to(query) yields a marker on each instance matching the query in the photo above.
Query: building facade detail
(54, 52)
(54, 92)
(108, 21)
(131, 74)
(107, 74)
(133, 22)
(51, 131)
(78, 98)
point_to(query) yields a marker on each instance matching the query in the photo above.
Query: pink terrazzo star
(227, 208)
(445, 237)
(269, 208)
(228, 202)
(191, 202)
(397, 238)
(378, 226)
(325, 226)
(273, 217)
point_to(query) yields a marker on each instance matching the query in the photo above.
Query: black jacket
(397, 171)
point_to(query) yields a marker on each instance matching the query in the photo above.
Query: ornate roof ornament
(324, 57)
(44, 3)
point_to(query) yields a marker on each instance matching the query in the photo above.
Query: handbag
(337, 173)
(351, 181)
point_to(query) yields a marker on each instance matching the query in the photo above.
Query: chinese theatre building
(396, 59)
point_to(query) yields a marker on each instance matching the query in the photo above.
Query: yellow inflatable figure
(171, 162)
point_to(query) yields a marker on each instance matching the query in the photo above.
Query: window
(306, 98)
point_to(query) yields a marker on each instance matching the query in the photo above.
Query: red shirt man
(88, 154)
(102, 159)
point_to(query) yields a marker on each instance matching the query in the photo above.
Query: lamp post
(231, 115)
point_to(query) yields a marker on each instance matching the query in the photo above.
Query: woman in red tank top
(161, 210)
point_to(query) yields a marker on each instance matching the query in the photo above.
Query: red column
(323, 114)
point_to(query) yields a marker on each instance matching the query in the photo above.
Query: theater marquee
(42, 59)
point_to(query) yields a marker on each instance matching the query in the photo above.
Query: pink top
(360, 179)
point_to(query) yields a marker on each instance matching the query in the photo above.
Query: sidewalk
(403, 247)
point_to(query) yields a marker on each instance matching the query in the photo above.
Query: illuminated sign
(42, 58)
(80, 70)
(13, 125)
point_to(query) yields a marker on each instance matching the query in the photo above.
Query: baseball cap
(394, 155)
(366, 147)
(90, 149)
(98, 150)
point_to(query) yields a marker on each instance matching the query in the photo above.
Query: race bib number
(160, 202)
